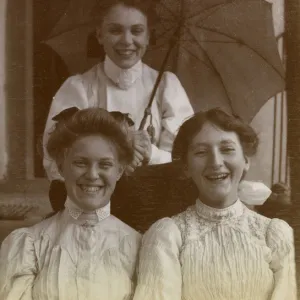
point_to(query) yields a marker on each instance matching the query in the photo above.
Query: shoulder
(81, 79)
(92, 73)
(253, 223)
(124, 230)
(279, 233)
(149, 70)
(275, 231)
(186, 217)
(164, 231)
(167, 76)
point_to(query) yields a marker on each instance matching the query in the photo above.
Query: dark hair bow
(65, 114)
(121, 117)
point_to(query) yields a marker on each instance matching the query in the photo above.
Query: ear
(99, 35)
(247, 165)
(60, 169)
(120, 172)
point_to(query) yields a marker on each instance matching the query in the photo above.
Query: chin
(94, 203)
(126, 65)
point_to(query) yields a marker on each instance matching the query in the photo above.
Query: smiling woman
(122, 82)
(217, 248)
(82, 252)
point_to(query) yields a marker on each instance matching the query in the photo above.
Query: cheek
(110, 40)
(72, 174)
(112, 176)
(141, 41)
(195, 166)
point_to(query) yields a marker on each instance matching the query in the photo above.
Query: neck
(218, 203)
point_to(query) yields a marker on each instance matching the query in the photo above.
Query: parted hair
(247, 136)
(86, 122)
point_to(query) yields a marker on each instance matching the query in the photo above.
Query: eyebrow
(222, 142)
(87, 158)
(120, 25)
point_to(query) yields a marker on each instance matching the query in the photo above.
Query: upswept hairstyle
(147, 7)
(247, 136)
(90, 121)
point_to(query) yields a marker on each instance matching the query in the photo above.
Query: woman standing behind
(82, 252)
(123, 83)
(218, 248)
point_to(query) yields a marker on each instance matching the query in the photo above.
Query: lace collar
(217, 214)
(92, 218)
(123, 78)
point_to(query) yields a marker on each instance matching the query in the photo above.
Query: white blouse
(217, 254)
(127, 91)
(81, 257)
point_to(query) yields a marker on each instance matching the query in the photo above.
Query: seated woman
(82, 252)
(217, 248)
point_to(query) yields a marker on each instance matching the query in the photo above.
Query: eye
(137, 30)
(115, 30)
(79, 163)
(227, 149)
(200, 152)
(105, 165)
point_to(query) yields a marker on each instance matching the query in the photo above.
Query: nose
(92, 172)
(127, 38)
(216, 159)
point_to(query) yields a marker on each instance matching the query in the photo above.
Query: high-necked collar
(87, 218)
(219, 214)
(123, 78)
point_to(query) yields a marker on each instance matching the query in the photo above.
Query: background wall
(3, 152)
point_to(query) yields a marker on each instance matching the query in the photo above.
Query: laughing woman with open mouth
(218, 248)
(82, 252)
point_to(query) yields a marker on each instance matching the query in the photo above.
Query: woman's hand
(142, 150)
(137, 161)
(142, 144)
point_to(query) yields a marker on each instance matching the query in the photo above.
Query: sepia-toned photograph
(149, 149)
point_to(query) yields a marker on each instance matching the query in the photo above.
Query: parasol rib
(196, 57)
(241, 43)
(215, 69)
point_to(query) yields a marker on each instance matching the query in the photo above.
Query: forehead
(124, 15)
(211, 134)
(93, 147)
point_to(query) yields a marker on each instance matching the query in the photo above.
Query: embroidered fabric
(123, 78)
(199, 219)
(78, 214)
(216, 214)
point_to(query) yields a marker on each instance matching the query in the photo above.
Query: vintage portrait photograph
(149, 149)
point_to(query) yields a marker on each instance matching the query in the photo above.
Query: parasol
(224, 52)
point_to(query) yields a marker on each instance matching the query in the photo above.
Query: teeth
(125, 52)
(90, 189)
(221, 176)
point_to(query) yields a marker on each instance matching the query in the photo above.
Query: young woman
(82, 252)
(218, 248)
(123, 83)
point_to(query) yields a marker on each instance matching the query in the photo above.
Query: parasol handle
(147, 111)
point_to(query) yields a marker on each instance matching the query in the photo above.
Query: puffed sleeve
(281, 242)
(18, 266)
(159, 271)
(71, 93)
(129, 247)
(175, 109)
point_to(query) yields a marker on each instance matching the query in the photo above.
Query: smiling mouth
(217, 177)
(125, 53)
(88, 189)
